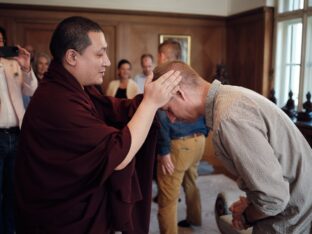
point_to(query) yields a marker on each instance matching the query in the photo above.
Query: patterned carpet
(210, 186)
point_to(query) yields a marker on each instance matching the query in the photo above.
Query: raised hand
(159, 92)
(23, 59)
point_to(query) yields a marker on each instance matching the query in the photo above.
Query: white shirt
(8, 116)
(140, 81)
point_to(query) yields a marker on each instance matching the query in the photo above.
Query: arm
(164, 157)
(245, 214)
(132, 89)
(157, 94)
(244, 146)
(30, 82)
(111, 90)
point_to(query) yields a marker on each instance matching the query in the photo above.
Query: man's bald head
(190, 78)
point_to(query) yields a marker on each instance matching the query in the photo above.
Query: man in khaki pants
(181, 146)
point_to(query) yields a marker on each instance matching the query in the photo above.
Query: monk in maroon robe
(82, 164)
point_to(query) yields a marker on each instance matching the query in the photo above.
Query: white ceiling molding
(201, 7)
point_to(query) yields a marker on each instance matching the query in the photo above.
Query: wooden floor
(210, 186)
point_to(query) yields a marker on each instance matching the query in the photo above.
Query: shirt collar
(210, 102)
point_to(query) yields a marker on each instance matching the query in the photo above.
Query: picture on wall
(185, 42)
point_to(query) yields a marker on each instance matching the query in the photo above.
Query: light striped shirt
(256, 141)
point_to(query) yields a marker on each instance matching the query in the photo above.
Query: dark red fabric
(70, 143)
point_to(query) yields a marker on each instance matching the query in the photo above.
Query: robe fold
(71, 141)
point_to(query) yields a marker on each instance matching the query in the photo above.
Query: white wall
(202, 7)
(237, 6)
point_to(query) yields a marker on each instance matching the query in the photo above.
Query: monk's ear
(71, 57)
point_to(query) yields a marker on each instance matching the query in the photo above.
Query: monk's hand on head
(160, 92)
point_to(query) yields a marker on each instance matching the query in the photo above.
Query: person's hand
(160, 92)
(237, 209)
(166, 164)
(23, 59)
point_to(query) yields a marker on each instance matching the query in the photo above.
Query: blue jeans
(8, 145)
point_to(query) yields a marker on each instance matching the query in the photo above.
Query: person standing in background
(16, 79)
(41, 64)
(181, 146)
(124, 86)
(147, 64)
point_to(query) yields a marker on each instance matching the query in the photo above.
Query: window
(288, 59)
(290, 5)
(293, 51)
(310, 3)
(308, 64)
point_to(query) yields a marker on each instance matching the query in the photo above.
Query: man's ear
(163, 57)
(71, 57)
(180, 94)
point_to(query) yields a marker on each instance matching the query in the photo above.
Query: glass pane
(310, 3)
(288, 59)
(308, 65)
(290, 5)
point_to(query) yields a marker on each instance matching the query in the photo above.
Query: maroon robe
(70, 143)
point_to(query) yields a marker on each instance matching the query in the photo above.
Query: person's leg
(8, 195)
(192, 194)
(1, 194)
(3, 154)
(169, 188)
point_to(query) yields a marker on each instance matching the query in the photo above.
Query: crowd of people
(83, 162)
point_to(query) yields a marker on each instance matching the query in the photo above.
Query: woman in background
(41, 65)
(124, 86)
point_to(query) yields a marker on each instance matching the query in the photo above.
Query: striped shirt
(258, 142)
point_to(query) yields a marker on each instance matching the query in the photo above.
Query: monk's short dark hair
(72, 33)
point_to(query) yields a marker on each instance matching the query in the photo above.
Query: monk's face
(92, 63)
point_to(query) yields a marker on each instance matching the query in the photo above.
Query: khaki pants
(185, 156)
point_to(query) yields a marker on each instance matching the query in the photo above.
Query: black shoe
(184, 223)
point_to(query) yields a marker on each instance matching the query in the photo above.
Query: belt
(13, 130)
(196, 134)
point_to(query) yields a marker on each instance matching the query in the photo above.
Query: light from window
(290, 5)
(308, 66)
(310, 3)
(288, 59)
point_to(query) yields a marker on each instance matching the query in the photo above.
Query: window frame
(302, 14)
